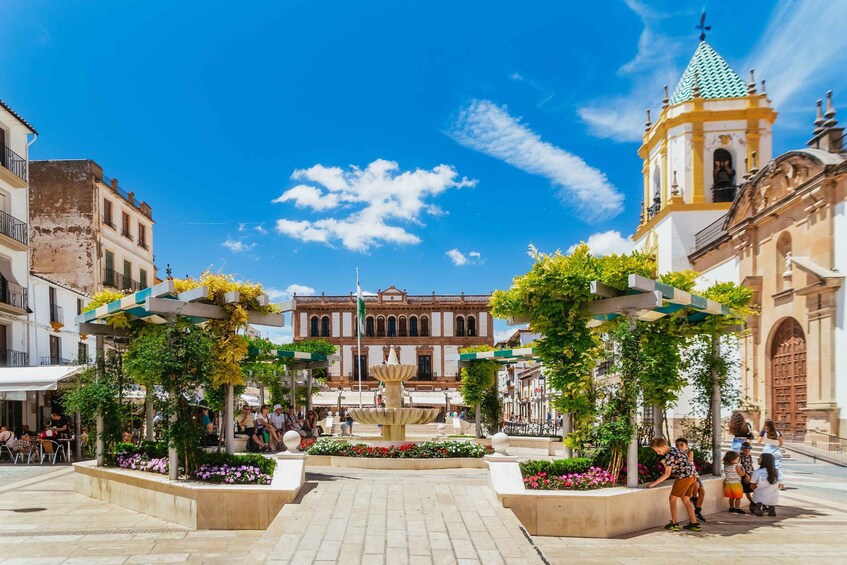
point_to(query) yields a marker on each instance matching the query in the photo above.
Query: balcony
(653, 210)
(11, 358)
(13, 232)
(13, 168)
(723, 193)
(56, 360)
(119, 281)
(13, 298)
(709, 234)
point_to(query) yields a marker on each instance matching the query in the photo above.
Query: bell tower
(713, 130)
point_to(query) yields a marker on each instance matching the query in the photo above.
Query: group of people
(760, 484)
(24, 442)
(265, 428)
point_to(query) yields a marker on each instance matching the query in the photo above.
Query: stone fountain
(393, 418)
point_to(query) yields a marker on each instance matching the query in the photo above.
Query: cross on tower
(703, 27)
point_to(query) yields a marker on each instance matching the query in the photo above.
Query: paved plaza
(359, 516)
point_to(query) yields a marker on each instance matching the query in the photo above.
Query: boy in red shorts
(679, 467)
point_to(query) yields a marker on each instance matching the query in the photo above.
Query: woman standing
(771, 439)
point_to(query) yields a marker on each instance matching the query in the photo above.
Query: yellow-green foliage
(104, 297)
(479, 377)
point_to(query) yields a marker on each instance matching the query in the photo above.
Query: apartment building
(54, 338)
(87, 231)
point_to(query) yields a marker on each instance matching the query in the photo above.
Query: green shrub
(426, 450)
(265, 464)
(556, 467)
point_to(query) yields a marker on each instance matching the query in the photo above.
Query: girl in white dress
(763, 481)
(772, 441)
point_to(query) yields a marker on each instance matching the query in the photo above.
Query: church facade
(717, 202)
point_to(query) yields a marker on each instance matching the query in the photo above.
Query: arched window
(369, 326)
(783, 261)
(380, 327)
(657, 184)
(723, 176)
(325, 326)
(392, 326)
(471, 326)
(413, 326)
(424, 326)
(313, 329)
(460, 326)
(402, 326)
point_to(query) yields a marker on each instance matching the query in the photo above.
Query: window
(55, 350)
(413, 326)
(125, 225)
(460, 326)
(127, 275)
(325, 326)
(82, 353)
(109, 271)
(360, 363)
(402, 326)
(369, 327)
(380, 327)
(313, 329)
(392, 327)
(55, 310)
(142, 235)
(142, 279)
(471, 326)
(107, 213)
(78, 306)
(424, 326)
(424, 368)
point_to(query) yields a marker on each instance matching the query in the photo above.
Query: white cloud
(242, 227)
(490, 129)
(381, 195)
(621, 117)
(506, 332)
(276, 294)
(459, 259)
(261, 229)
(237, 245)
(801, 52)
(607, 243)
(278, 336)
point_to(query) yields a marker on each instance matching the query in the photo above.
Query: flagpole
(358, 339)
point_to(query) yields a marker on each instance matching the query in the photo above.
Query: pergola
(644, 300)
(160, 304)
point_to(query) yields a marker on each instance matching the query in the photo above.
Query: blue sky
(426, 143)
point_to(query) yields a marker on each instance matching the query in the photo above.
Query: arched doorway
(788, 378)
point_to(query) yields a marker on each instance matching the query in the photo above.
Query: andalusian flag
(360, 305)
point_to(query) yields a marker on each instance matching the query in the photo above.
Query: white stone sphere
(500, 443)
(291, 439)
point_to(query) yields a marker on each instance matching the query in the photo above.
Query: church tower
(712, 132)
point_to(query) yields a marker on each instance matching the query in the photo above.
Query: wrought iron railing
(13, 295)
(723, 193)
(822, 445)
(532, 429)
(13, 227)
(126, 196)
(14, 162)
(56, 360)
(117, 280)
(710, 233)
(12, 358)
(654, 209)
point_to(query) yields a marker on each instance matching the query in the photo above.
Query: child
(732, 489)
(746, 462)
(682, 445)
(764, 484)
(679, 466)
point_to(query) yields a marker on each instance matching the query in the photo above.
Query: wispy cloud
(490, 129)
(802, 52)
(276, 294)
(621, 117)
(238, 245)
(460, 259)
(380, 195)
(607, 243)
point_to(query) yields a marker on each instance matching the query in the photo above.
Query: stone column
(229, 418)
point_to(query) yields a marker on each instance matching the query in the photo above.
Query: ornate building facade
(428, 330)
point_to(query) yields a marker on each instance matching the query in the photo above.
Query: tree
(477, 381)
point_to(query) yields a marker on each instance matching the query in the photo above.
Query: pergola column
(100, 443)
(229, 419)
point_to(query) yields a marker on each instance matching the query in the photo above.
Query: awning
(348, 398)
(436, 399)
(26, 379)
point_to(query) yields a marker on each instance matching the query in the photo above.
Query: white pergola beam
(603, 290)
(622, 304)
(232, 297)
(88, 328)
(208, 311)
(195, 294)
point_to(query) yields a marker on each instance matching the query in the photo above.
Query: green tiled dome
(716, 78)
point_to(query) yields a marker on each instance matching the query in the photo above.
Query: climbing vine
(477, 381)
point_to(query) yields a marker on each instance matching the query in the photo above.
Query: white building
(87, 231)
(54, 338)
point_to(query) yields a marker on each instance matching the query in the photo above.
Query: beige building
(786, 235)
(427, 330)
(87, 231)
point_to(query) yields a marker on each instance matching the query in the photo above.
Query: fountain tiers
(393, 418)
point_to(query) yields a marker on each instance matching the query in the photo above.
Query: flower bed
(427, 450)
(594, 477)
(220, 468)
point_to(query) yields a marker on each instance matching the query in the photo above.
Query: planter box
(396, 464)
(194, 504)
(524, 445)
(600, 513)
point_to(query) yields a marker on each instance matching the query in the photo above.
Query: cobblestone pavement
(396, 517)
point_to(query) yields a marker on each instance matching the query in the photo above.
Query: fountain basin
(394, 416)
